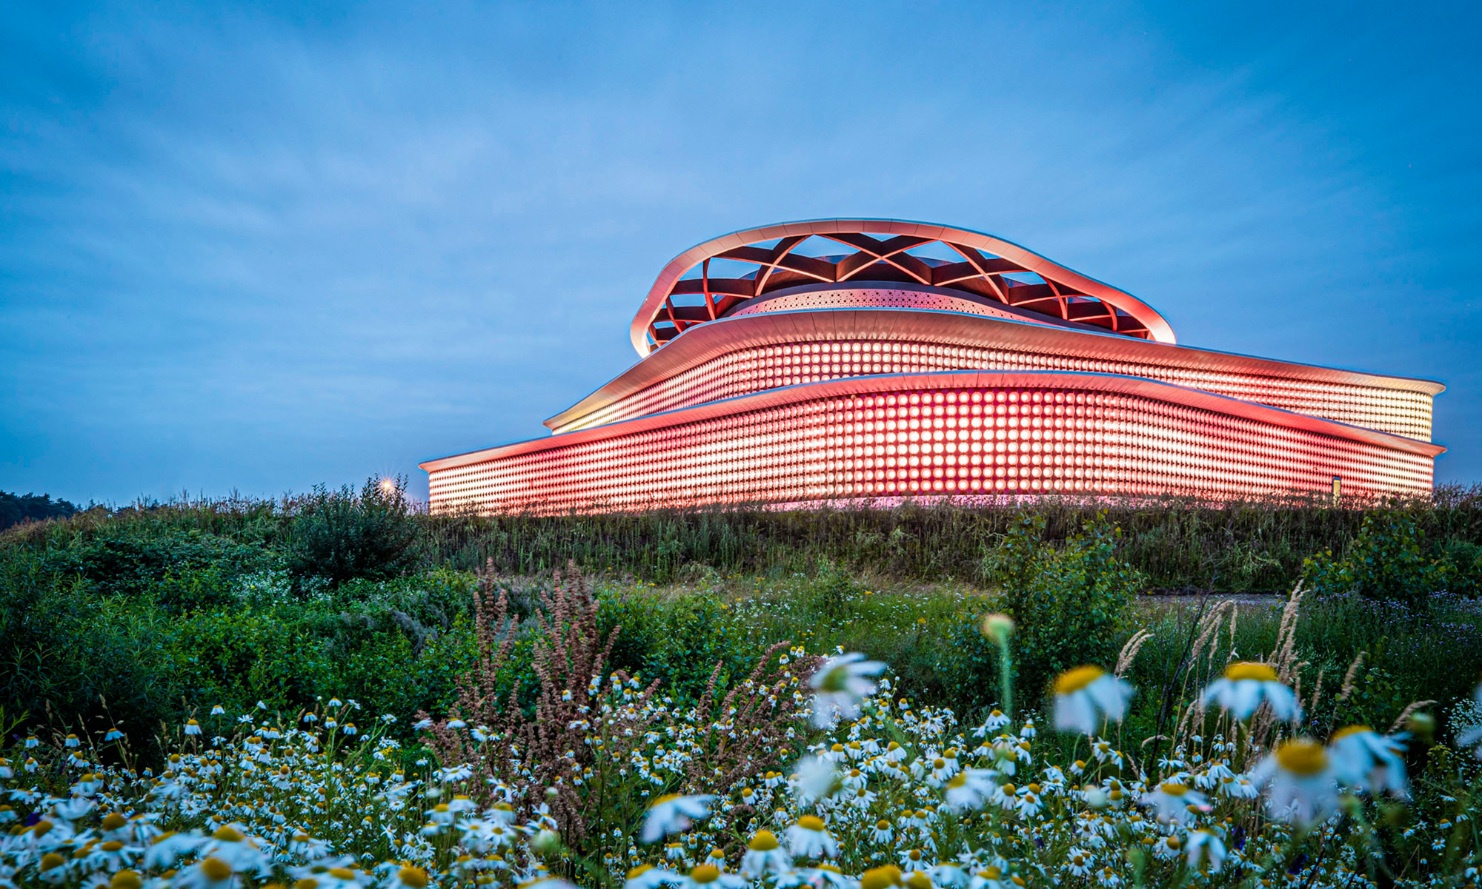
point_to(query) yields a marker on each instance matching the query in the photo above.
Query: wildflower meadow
(170, 717)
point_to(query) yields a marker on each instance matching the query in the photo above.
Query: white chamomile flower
(991, 877)
(814, 779)
(1246, 685)
(708, 876)
(840, 685)
(208, 873)
(1087, 696)
(231, 845)
(1362, 758)
(1299, 781)
(1175, 803)
(1238, 787)
(950, 875)
(969, 789)
(1205, 851)
(764, 855)
(809, 838)
(192, 727)
(673, 814)
(646, 876)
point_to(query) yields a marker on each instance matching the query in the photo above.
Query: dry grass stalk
(1129, 651)
(1351, 676)
(1407, 712)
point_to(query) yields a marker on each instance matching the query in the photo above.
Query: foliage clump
(1387, 561)
(1070, 602)
(343, 535)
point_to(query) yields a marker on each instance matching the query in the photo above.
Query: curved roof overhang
(886, 250)
(1167, 392)
(951, 328)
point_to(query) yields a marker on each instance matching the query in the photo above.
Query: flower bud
(997, 628)
(546, 842)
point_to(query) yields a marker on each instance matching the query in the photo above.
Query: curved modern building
(844, 360)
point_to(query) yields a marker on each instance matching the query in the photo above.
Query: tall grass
(1239, 546)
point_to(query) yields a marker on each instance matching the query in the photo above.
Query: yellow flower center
(1010, 790)
(1173, 843)
(991, 873)
(1302, 756)
(880, 877)
(705, 873)
(763, 841)
(1251, 670)
(113, 821)
(666, 798)
(639, 871)
(216, 870)
(811, 822)
(111, 846)
(414, 877)
(1173, 789)
(51, 860)
(342, 873)
(1342, 733)
(958, 780)
(306, 883)
(1072, 681)
(882, 824)
(126, 879)
(228, 835)
(918, 880)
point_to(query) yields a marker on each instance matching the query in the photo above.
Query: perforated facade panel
(875, 392)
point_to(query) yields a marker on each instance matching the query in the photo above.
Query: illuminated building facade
(849, 360)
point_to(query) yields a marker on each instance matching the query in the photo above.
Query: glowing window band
(863, 371)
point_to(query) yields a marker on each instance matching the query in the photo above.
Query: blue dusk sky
(261, 248)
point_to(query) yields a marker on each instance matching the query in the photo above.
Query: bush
(1387, 561)
(1069, 602)
(677, 640)
(341, 535)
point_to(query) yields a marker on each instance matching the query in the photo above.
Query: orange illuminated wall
(873, 389)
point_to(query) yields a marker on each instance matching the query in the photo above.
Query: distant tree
(17, 508)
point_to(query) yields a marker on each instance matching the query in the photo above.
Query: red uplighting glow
(878, 388)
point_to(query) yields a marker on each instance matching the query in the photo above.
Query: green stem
(1006, 679)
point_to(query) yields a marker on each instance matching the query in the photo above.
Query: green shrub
(69, 657)
(676, 639)
(1386, 561)
(1069, 602)
(341, 535)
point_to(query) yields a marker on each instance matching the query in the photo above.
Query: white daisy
(673, 814)
(708, 876)
(1175, 803)
(1301, 787)
(1246, 685)
(840, 685)
(1206, 851)
(646, 876)
(1363, 758)
(1088, 696)
(764, 855)
(809, 838)
(815, 779)
(969, 788)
